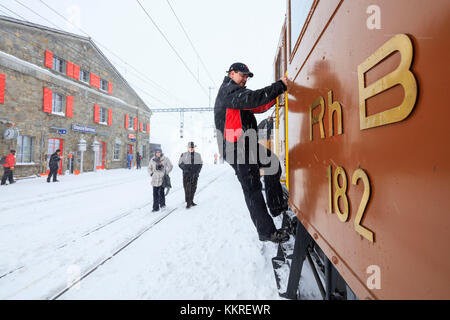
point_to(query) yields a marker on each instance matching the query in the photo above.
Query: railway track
(96, 266)
(44, 197)
(102, 226)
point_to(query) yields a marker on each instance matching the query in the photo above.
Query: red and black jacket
(235, 107)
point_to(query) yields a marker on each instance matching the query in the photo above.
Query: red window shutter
(109, 117)
(76, 72)
(69, 71)
(148, 127)
(126, 121)
(95, 80)
(48, 100)
(2, 88)
(110, 86)
(49, 59)
(135, 124)
(140, 127)
(69, 106)
(96, 113)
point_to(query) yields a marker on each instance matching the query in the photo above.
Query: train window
(298, 11)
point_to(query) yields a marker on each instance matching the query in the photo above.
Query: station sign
(80, 128)
(131, 137)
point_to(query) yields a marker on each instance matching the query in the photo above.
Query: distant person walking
(158, 167)
(129, 160)
(54, 165)
(138, 160)
(8, 168)
(191, 164)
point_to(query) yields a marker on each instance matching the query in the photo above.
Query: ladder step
(281, 270)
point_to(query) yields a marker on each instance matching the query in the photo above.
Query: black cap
(238, 66)
(191, 145)
(58, 150)
(12, 151)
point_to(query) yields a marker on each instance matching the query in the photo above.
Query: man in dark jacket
(191, 164)
(54, 165)
(8, 168)
(138, 160)
(235, 123)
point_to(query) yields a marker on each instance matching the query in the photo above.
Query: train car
(363, 136)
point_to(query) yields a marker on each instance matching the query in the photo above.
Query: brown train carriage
(367, 134)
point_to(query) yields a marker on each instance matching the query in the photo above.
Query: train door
(100, 159)
(53, 145)
(280, 119)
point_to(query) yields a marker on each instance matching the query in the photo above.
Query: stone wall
(23, 107)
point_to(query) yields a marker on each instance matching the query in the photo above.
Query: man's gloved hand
(12, 168)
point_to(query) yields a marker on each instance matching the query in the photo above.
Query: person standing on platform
(191, 164)
(54, 165)
(158, 167)
(129, 160)
(8, 168)
(138, 160)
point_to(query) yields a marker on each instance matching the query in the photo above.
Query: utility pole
(210, 88)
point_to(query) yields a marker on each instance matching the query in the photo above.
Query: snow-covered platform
(99, 226)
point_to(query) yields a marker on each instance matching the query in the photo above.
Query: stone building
(57, 90)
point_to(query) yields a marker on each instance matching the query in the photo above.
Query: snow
(51, 233)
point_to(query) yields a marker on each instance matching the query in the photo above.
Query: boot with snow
(277, 236)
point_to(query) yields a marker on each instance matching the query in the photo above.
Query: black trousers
(54, 173)
(249, 176)
(190, 186)
(7, 175)
(159, 199)
(138, 165)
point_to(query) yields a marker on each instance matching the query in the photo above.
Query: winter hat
(191, 144)
(238, 66)
(158, 149)
(58, 150)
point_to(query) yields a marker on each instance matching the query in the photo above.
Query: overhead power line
(13, 12)
(159, 87)
(171, 46)
(190, 41)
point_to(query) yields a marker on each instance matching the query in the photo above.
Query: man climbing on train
(237, 134)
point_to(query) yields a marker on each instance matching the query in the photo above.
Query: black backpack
(3, 160)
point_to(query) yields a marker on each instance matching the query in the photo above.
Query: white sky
(222, 31)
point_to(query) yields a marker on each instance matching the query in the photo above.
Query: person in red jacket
(8, 168)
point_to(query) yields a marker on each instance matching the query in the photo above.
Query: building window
(116, 151)
(103, 116)
(57, 104)
(58, 64)
(130, 123)
(84, 76)
(24, 149)
(103, 85)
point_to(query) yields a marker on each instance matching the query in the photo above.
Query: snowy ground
(51, 233)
